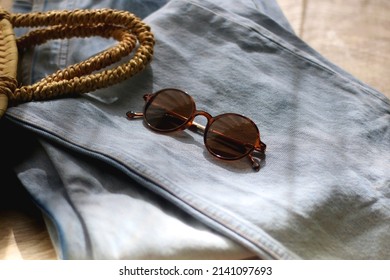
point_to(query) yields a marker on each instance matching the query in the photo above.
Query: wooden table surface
(354, 34)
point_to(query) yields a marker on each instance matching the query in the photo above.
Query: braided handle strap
(8, 61)
(131, 33)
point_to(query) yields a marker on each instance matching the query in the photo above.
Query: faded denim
(111, 188)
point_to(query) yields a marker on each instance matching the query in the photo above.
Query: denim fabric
(95, 211)
(322, 192)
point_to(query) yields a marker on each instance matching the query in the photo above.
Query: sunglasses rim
(182, 126)
(213, 119)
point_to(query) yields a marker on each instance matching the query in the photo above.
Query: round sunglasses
(228, 136)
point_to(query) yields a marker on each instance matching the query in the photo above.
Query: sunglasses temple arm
(232, 140)
(196, 127)
(134, 115)
(262, 147)
(256, 162)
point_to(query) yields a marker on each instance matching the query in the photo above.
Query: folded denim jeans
(110, 188)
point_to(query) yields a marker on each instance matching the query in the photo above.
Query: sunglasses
(228, 136)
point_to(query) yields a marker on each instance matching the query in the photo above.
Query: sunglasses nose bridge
(204, 114)
(196, 126)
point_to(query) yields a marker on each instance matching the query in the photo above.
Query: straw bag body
(134, 37)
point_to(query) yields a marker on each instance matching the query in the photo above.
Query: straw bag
(134, 40)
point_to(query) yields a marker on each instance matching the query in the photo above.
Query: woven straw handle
(131, 33)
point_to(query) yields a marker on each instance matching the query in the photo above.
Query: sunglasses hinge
(133, 115)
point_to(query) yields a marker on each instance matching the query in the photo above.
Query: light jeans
(110, 188)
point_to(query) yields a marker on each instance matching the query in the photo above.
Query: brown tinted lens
(231, 136)
(169, 109)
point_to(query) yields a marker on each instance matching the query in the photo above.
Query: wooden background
(354, 34)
